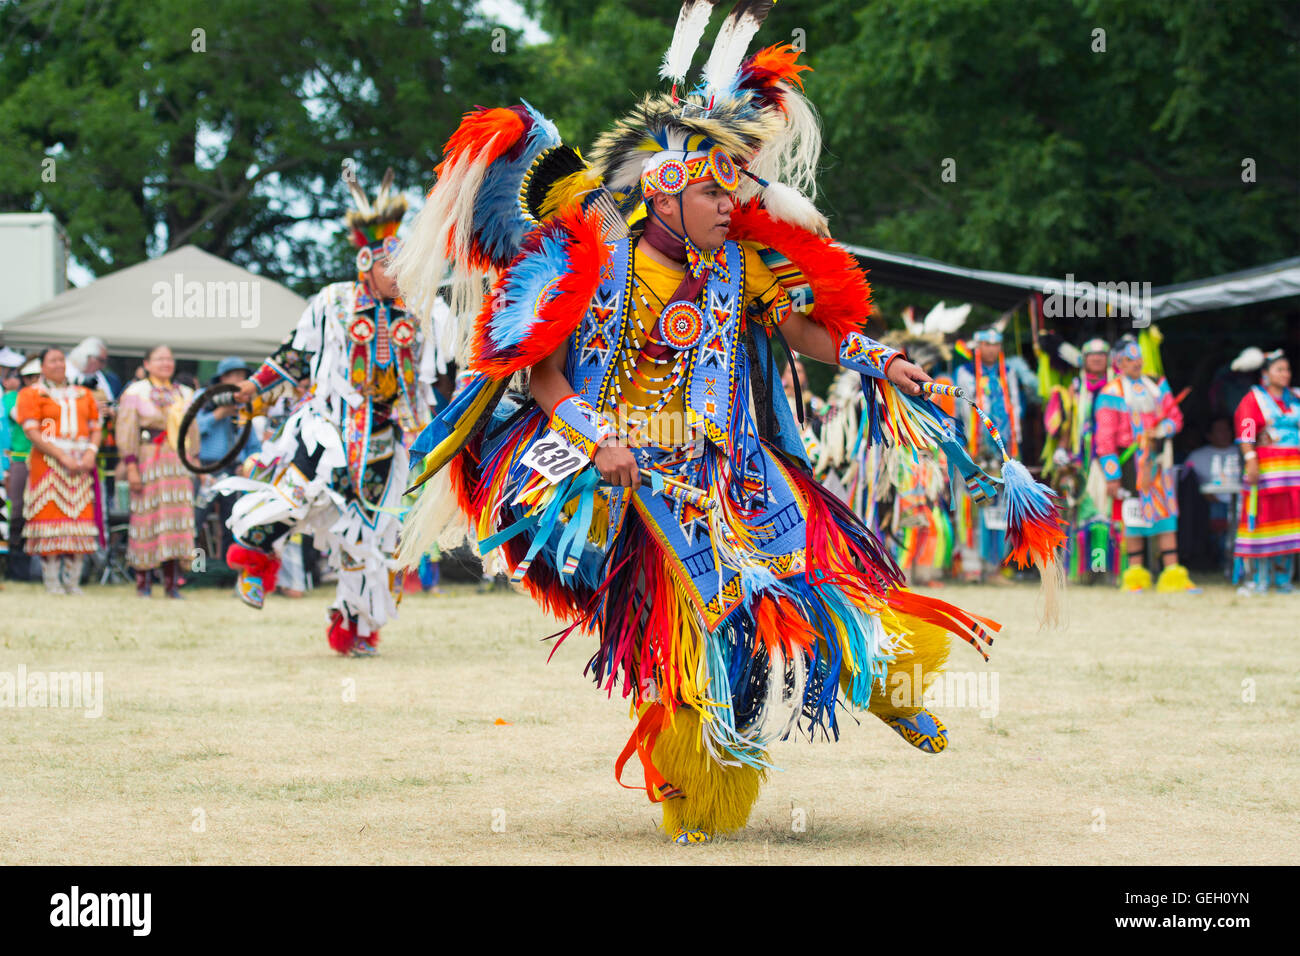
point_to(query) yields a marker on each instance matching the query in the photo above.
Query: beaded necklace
(652, 385)
(162, 394)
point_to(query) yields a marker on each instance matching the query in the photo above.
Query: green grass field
(1156, 729)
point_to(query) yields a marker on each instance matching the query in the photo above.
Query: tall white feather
(359, 198)
(435, 519)
(434, 254)
(792, 156)
(691, 21)
(731, 43)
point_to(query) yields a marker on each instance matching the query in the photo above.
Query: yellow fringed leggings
(911, 670)
(719, 799)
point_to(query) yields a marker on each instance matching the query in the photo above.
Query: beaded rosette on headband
(1127, 348)
(671, 171)
(372, 226)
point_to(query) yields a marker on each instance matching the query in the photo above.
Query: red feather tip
(773, 64)
(485, 134)
(841, 293)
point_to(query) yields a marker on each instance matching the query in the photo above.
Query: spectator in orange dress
(62, 422)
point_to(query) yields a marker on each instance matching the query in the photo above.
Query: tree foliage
(231, 139)
(1122, 164)
(1117, 165)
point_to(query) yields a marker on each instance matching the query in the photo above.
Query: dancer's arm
(812, 339)
(292, 361)
(550, 387)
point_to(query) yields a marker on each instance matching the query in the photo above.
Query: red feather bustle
(484, 135)
(841, 293)
(558, 317)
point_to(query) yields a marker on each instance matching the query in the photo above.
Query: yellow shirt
(658, 282)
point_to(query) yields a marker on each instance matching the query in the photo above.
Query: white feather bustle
(791, 156)
(434, 256)
(790, 205)
(436, 518)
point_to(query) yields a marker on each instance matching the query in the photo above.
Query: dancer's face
(1130, 367)
(1095, 363)
(706, 208)
(381, 281)
(990, 352)
(1279, 374)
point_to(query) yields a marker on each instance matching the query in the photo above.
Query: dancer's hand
(906, 375)
(617, 466)
(1112, 488)
(1251, 475)
(247, 392)
(133, 479)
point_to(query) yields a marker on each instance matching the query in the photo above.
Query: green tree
(1119, 165)
(226, 125)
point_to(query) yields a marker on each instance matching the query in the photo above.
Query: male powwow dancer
(336, 468)
(986, 381)
(734, 599)
(1071, 462)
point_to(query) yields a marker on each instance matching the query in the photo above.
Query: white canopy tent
(200, 305)
(1274, 281)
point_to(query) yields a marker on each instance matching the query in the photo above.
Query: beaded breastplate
(707, 363)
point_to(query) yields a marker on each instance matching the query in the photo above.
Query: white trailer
(33, 261)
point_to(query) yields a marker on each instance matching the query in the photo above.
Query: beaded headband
(670, 172)
(377, 251)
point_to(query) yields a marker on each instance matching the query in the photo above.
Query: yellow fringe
(717, 799)
(927, 645)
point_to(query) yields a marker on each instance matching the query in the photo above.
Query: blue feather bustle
(526, 289)
(499, 223)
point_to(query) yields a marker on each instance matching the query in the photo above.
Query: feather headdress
(505, 173)
(752, 109)
(370, 223)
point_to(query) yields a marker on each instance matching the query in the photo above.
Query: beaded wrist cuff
(866, 355)
(580, 424)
